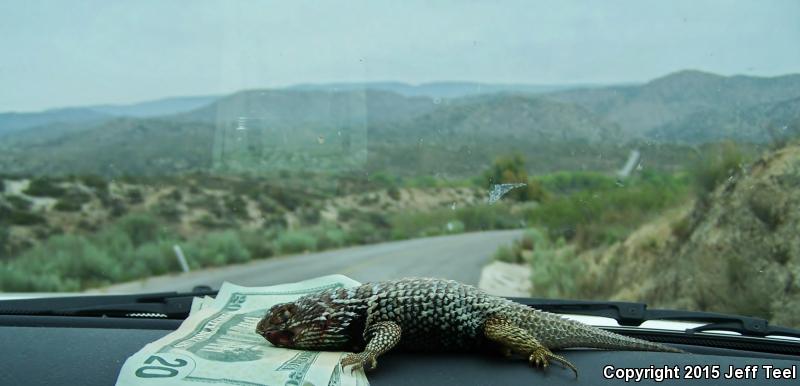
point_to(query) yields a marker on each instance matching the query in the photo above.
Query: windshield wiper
(176, 305)
(634, 314)
(167, 305)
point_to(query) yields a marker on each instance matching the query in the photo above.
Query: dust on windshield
(565, 150)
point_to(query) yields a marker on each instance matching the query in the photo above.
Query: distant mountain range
(12, 121)
(674, 103)
(440, 89)
(391, 124)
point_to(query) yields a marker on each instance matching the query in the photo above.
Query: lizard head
(277, 326)
(307, 323)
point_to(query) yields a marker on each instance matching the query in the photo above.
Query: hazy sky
(66, 53)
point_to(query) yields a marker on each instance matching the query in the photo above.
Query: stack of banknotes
(218, 344)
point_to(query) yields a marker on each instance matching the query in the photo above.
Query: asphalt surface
(459, 257)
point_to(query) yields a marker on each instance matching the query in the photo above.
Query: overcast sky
(69, 53)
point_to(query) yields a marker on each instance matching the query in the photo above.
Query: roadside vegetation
(83, 232)
(687, 240)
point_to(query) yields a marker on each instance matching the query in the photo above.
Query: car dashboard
(90, 351)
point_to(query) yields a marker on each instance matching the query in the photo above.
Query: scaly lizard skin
(430, 314)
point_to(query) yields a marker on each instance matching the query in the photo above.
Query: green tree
(510, 169)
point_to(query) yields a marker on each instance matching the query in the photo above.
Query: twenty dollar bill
(218, 344)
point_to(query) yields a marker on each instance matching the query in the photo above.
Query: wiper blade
(176, 305)
(169, 305)
(634, 314)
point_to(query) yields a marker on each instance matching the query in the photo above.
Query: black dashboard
(91, 351)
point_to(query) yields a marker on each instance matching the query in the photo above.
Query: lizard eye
(281, 314)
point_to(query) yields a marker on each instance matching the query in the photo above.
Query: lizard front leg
(381, 337)
(519, 341)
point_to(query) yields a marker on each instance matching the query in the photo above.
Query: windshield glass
(566, 149)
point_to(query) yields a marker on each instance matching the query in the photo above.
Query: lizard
(430, 314)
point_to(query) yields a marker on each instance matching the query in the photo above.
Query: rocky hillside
(678, 106)
(31, 210)
(735, 251)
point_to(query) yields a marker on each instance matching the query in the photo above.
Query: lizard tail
(556, 332)
(602, 339)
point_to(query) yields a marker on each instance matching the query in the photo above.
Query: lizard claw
(359, 361)
(538, 358)
(541, 358)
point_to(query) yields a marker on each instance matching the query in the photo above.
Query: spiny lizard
(430, 314)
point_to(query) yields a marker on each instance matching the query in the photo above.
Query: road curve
(459, 257)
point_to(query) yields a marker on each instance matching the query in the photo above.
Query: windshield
(565, 149)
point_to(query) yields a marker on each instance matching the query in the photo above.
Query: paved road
(458, 257)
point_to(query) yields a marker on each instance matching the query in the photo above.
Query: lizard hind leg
(520, 341)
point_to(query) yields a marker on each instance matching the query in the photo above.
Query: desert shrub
(115, 241)
(383, 179)
(528, 241)
(369, 199)
(718, 164)
(393, 193)
(19, 202)
(155, 258)
(211, 222)
(21, 217)
(268, 205)
(236, 205)
(414, 224)
(16, 279)
(141, 228)
(521, 249)
(216, 248)
(75, 257)
(44, 187)
(486, 217)
(364, 233)
(274, 221)
(72, 201)
(682, 228)
(174, 195)
(135, 196)
(563, 183)
(425, 181)
(378, 219)
(347, 214)
(95, 182)
(455, 227)
(505, 254)
(309, 215)
(61, 263)
(117, 207)
(329, 236)
(258, 243)
(296, 241)
(131, 248)
(289, 199)
(168, 210)
(246, 187)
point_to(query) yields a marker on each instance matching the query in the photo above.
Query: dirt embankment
(738, 251)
